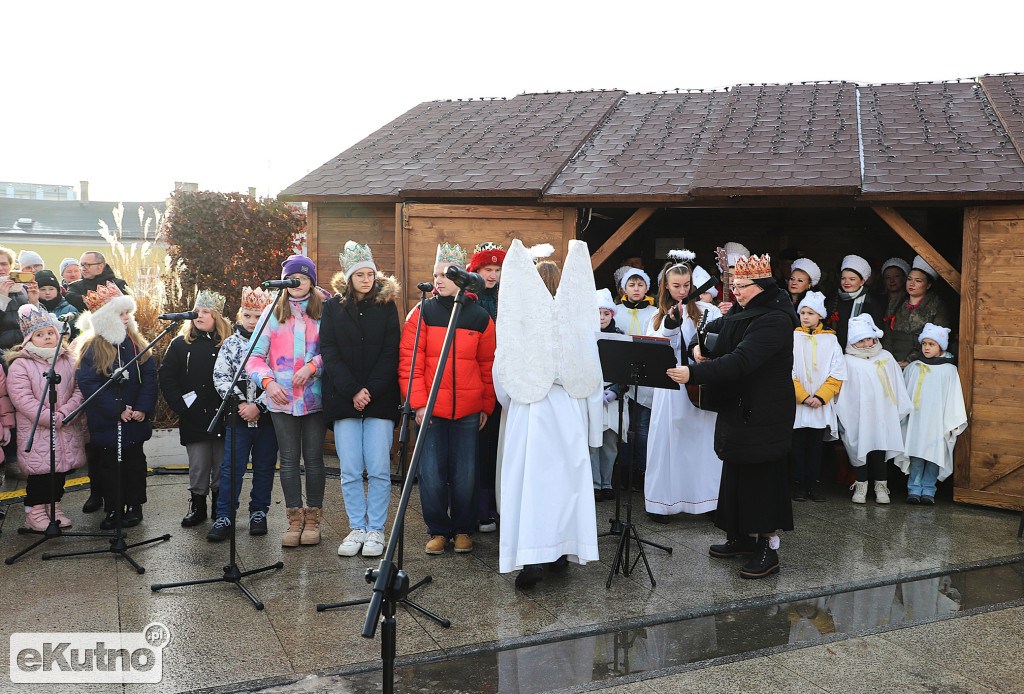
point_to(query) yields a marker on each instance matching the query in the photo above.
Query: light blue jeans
(922, 479)
(365, 444)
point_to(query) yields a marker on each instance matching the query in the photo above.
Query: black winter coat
(77, 290)
(10, 328)
(359, 344)
(187, 368)
(139, 391)
(750, 378)
(840, 310)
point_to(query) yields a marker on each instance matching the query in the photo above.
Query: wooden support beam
(909, 234)
(966, 344)
(619, 237)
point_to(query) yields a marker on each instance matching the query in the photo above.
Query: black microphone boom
(425, 286)
(187, 315)
(281, 284)
(470, 281)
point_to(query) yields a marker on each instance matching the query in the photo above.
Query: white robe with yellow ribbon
(937, 418)
(870, 407)
(815, 359)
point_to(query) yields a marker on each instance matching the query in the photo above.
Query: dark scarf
(611, 328)
(643, 303)
(247, 334)
(946, 358)
(52, 305)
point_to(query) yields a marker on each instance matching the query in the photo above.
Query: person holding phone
(12, 297)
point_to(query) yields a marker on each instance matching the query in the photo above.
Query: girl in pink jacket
(26, 383)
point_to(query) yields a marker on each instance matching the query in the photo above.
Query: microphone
(470, 281)
(187, 315)
(281, 284)
(425, 286)
(67, 317)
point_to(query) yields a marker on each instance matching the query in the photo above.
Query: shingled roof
(948, 140)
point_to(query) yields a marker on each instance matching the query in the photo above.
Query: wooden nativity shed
(828, 168)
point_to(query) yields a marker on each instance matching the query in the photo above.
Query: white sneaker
(488, 526)
(860, 492)
(373, 546)
(352, 543)
(882, 492)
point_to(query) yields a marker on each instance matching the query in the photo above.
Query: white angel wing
(525, 361)
(577, 323)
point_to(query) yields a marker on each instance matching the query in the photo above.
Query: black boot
(132, 516)
(764, 562)
(734, 547)
(110, 521)
(529, 576)
(197, 511)
(812, 492)
(95, 500)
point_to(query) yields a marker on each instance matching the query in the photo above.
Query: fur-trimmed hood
(388, 287)
(106, 322)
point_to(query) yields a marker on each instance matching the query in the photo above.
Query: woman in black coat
(360, 332)
(750, 379)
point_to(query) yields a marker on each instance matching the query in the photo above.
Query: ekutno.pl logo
(84, 657)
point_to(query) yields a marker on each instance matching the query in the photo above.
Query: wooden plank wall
(990, 463)
(426, 225)
(332, 224)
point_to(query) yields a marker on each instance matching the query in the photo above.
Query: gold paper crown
(450, 254)
(753, 268)
(210, 300)
(256, 299)
(95, 300)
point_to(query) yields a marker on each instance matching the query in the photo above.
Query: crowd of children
(345, 361)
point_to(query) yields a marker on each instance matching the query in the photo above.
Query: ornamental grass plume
(152, 280)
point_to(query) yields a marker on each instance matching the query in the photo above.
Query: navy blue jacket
(139, 391)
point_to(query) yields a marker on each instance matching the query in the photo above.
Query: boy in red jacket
(464, 401)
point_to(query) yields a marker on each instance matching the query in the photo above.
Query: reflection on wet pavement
(741, 632)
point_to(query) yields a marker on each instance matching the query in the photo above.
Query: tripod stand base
(118, 546)
(232, 574)
(53, 531)
(323, 607)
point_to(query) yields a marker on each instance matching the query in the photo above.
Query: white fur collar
(106, 322)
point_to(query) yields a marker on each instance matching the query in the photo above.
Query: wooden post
(909, 234)
(968, 311)
(619, 237)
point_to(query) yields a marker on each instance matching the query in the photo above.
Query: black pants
(133, 475)
(37, 488)
(807, 445)
(876, 463)
(93, 455)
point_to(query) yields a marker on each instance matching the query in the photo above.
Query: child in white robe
(632, 317)
(938, 417)
(819, 370)
(602, 459)
(683, 470)
(870, 408)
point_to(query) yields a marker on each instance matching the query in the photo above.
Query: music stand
(634, 362)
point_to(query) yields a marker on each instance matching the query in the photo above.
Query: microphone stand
(403, 448)
(118, 546)
(53, 530)
(390, 582)
(232, 574)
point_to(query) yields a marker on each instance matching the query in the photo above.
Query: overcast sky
(133, 96)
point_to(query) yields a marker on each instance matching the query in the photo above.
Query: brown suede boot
(311, 530)
(293, 534)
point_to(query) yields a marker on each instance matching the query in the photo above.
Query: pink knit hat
(32, 318)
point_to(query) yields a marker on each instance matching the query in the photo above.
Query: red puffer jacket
(466, 386)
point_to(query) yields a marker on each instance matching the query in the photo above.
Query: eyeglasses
(90, 264)
(737, 287)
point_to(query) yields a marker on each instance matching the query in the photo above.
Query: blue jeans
(261, 443)
(365, 443)
(923, 477)
(449, 462)
(602, 460)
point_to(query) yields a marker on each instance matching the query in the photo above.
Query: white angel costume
(938, 416)
(683, 471)
(870, 407)
(816, 358)
(636, 321)
(546, 369)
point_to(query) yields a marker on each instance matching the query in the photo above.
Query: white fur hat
(626, 271)
(924, 267)
(106, 320)
(735, 251)
(862, 326)
(858, 265)
(700, 276)
(810, 267)
(814, 301)
(604, 299)
(937, 333)
(896, 262)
